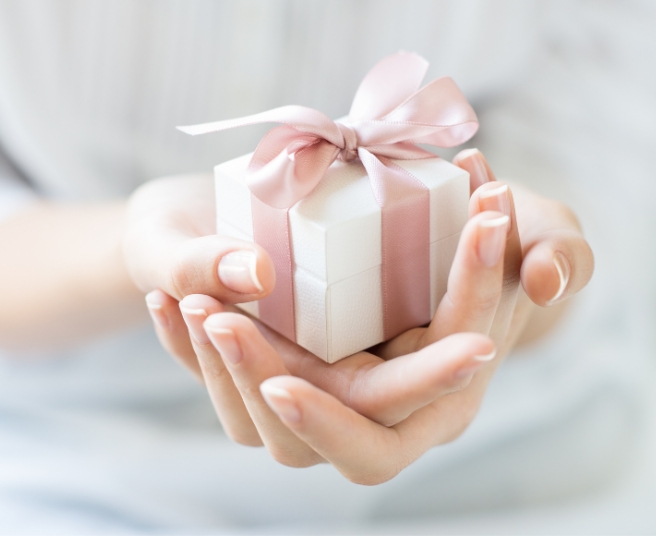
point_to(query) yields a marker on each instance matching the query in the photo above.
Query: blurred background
(103, 433)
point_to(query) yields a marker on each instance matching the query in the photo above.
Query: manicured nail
(225, 341)
(485, 358)
(495, 199)
(492, 240)
(156, 309)
(238, 272)
(562, 266)
(473, 161)
(476, 362)
(194, 319)
(281, 402)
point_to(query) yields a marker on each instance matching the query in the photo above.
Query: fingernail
(473, 161)
(156, 309)
(495, 199)
(281, 402)
(238, 272)
(194, 319)
(485, 358)
(492, 240)
(562, 266)
(476, 362)
(226, 343)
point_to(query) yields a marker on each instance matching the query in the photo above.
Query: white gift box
(336, 243)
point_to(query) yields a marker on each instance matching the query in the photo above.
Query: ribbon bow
(389, 117)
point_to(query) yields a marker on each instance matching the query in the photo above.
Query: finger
(363, 451)
(473, 161)
(498, 196)
(475, 281)
(557, 267)
(167, 249)
(172, 330)
(445, 419)
(413, 381)
(480, 177)
(558, 262)
(230, 270)
(251, 360)
(225, 397)
(388, 391)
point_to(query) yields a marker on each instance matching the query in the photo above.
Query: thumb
(170, 248)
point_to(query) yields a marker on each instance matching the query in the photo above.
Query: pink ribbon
(389, 117)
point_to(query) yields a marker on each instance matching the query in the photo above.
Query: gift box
(337, 248)
(360, 221)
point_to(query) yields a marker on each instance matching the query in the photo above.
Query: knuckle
(182, 274)
(214, 370)
(188, 270)
(486, 302)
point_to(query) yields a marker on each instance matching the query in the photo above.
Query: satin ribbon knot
(390, 116)
(349, 148)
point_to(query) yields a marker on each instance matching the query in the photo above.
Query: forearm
(62, 276)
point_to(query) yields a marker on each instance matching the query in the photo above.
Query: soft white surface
(115, 438)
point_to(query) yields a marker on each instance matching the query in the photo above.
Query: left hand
(372, 414)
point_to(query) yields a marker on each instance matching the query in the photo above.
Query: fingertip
(492, 233)
(265, 271)
(248, 271)
(157, 299)
(172, 330)
(473, 161)
(288, 395)
(159, 306)
(545, 276)
(195, 308)
(281, 402)
(292, 384)
(228, 320)
(233, 333)
(471, 343)
(203, 302)
(563, 269)
(494, 196)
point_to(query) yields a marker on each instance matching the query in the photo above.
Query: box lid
(336, 230)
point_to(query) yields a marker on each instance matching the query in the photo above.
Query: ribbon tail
(405, 206)
(304, 120)
(271, 231)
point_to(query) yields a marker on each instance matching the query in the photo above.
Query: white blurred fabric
(116, 438)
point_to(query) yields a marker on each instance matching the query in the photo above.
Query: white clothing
(115, 437)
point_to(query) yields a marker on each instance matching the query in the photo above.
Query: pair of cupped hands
(374, 413)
